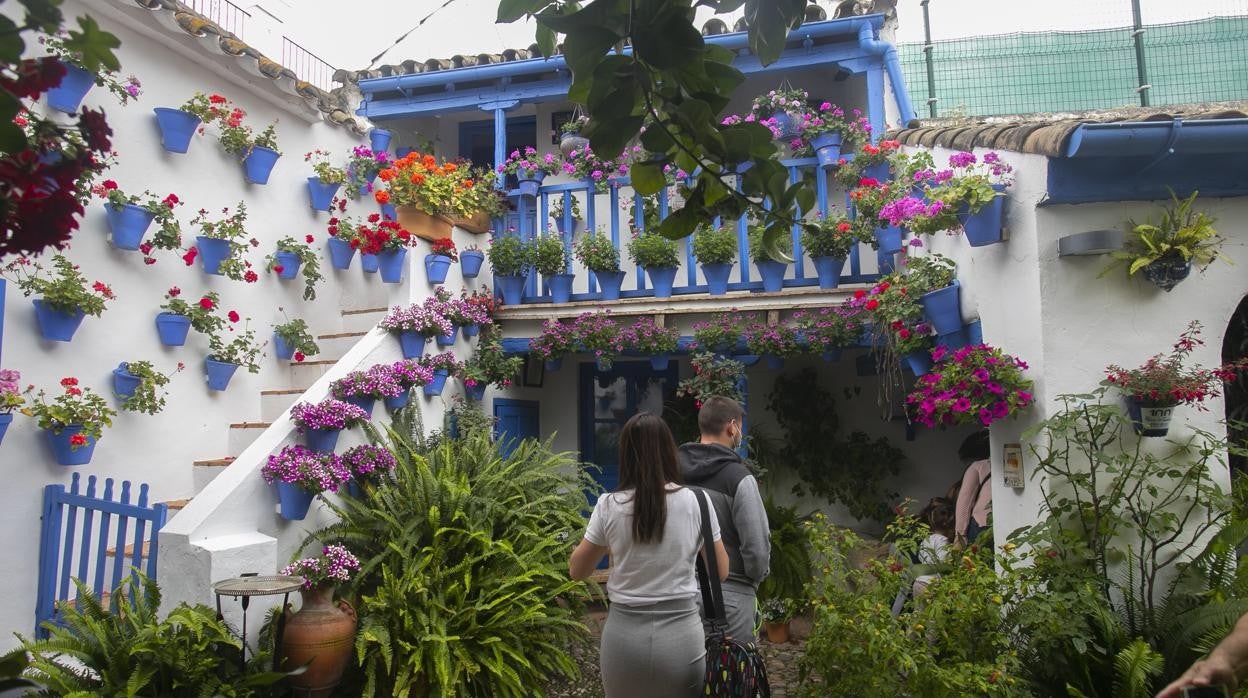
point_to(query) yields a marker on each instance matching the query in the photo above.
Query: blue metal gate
(124, 538)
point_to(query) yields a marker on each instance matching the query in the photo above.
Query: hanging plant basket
(55, 324)
(177, 128)
(436, 268)
(172, 328)
(943, 308)
(125, 383)
(470, 262)
(293, 501)
(128, 225)
(986, 226)
(289, 262)
(321, 194)
(1149, 420)
(219, 373)
(1167, 273)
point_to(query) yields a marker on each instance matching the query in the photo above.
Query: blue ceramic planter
(512, 288)
(886, 261)
(177, 128)
(412, 344)
(282, 348)
(717, 277)
(952, 341)
(562, 226)
(832, 355)
(436, 268)
(389, 212)
(321, 440)
(340, 253)
(258, 164)
(786, 125)
(470, 262)
(365, 403)
(746, 359)
(476, 392)
(662, 279)
(57, 325)
(560, 287)
(125, 383)
(390, 263)
(67, 96)
(321, 194)
(65, 452)
(943, 308)
(975, 332)
(293, 501)
(219, 373)
(528, 182)
(554, 364)
(128, 224)
(888, 239)
(919, 362)
(434, 387)
(172, 328)
(984, 227)
(289, 262)
(660, 362)
(471, 330)
(829, 270)
(827, 148)
(5, 421)
(446, 340)
(211, 253)
(379, 140)
(772, 273)
(609, 283)
(369, 263)
(398, 402)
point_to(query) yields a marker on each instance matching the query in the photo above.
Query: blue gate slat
(119, 541)
(101, 546)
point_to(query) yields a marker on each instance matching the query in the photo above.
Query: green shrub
(715, 245)
(547, 255)
(597, 253)
(509, 255)
(651, 250)
(758, 251)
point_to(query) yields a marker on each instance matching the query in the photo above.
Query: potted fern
(1165, 251)
(659, 257)
(551, 261)
(715, 249)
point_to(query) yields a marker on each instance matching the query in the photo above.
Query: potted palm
(63, 296)
(659, 257)
(179, 317)
(771, 270)
(600, 256)
(828, 241)
(140, 387)
(329, 178)
(510, 259)
(292, 340)
(73, 421)
(299, 474)
(715, 249)
(224, 358)
(290, 257)
(550, 259)
(1166, 251)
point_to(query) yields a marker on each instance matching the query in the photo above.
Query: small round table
(249, 585)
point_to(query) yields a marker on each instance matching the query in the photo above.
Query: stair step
(176, 504)
(335, 346)
(362, 320)
(309, 372)
(243, 433)
(204, 471)
(340, 335)
(274, 402)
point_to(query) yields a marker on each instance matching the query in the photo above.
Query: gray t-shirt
(646, 573)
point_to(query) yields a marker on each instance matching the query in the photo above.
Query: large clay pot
(322, 636)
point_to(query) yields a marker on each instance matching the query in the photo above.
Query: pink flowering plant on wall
(306, 469)
(423, 319)
(556, 340)
(826, 329)
(377, 383)
(410, 373)
(762, 339)
(720, 334)
(647, 337)
(327, 414)
(530, 160)
(369, 463)
(363, 165)
(599, 334)
(1163, 381)
(10, 391)
(334, 566)
(975, 385)
(444, 361)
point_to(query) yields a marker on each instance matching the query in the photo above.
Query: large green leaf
(94, 45)
(512, 10)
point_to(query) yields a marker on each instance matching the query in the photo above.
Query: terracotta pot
(777, 632)
(322, 636)
(422, 224)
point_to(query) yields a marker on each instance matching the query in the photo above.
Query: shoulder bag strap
(708, 568)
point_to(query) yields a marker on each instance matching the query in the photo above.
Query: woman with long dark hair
(652, 644)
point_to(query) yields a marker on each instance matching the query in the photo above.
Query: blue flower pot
(124, 382)
(219, 373)
(340, 253)
(363, 402)
(772, 273)
(975, 332)
(746, 359)
(289, 262)
(919, 362)
(886, 261)
(660, 362)
(943, 308)
(321, 194)
(447, 340)
(57, 325)
(68, 95)
(560, 287)
(434, 387)
(562, 226)
(177, 128)
(471, 330)
(379, 140)
(321, 440)
(369, 263)
(389, 212)
(662, 278)
(412, 343)
(64, 452)
(829, 270)
(888, 239)
(827, 148)
(5, 421)
(984, 228)
(284, 350)
(1149, 420)
(211, 253)
(512, 288)
(128, 224)
(786, 125)
(952, 341)
(470, 262)
(832, 355)
(172, 328)
(436, 267)
(609, 282)
(717, 277)
(528, 182)
(390, 263)
(476, 392)
(554, 364)
(258, 164)
(293, 501)
(398, 402)
(774, 363)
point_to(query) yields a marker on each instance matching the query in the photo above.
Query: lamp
(1092, 242)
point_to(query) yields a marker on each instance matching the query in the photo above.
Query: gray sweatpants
(653, 651)
(741, 609)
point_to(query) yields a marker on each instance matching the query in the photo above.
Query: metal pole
(927, 58)
(1141, 68)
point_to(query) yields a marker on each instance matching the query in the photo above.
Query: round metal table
(249, 585)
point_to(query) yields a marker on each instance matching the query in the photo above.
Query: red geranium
(233, 316)
(206, 303)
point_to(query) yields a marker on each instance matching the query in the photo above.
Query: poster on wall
(1012, 465)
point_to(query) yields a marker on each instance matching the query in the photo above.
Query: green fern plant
(1180, 234)
(790, 555)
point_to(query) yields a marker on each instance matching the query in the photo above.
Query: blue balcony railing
(533, 218)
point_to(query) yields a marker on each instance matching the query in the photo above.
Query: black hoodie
(742, 519)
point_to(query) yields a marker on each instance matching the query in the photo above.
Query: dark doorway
(476, 138)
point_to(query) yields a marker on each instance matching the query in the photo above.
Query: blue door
(608, 399)
(515, 421)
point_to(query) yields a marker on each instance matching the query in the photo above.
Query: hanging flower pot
(717, 277)
(212, 252)
(293, 501)
(363, 402)
(888, 239)
(321, 194)
(886, 261)
(827, 148)
(390, 263)
(436, 267)
(952, 341)
(1166, 273)
(412, 343)
(5, 420)
(124, 382)
(379, 140)
(71, 446)
(919, 362)
(529, 181)
(321, 440)
(67, 96)
(471, 330)
(602, 366)
(511, 286)
(572, 140)
(662, 279)
(172, 328)
(560, 287)
(554, 364)
(219, 373)
(177, 128)
(398, 402)
(446, 340)
(340, 253)
(986, 226)
(746, 359)
(1149, 420)
(660, 362)
(57, 325)
(369, 263)
(289, 262)
(773, 363)
(772, 273)
(283, 349)
(128, 224)
(258, 164)
(943, 308)
(389, 212)
(610, 282)
(476, 391)
(434, 387)
(829, 270)
(320, 637)
(562, 226)
(788, 125)
(423, 225)
(470, 262)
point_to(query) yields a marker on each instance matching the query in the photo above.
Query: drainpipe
(927, 59)
(876, 47)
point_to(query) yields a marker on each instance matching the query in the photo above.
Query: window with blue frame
(476, 138)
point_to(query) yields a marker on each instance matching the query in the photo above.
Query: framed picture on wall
(534, 371)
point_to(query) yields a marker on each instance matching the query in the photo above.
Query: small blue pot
(471, 330)
(943, 308)
(746, 359)
(379, 140)
(774, 363)
(447, 340)
(470, 262)
(476, 392)
(554, 364)
(434, 387)
(369, 263)
(772, 273)
(660, 362)
(340, 253)
(829, 270)
(662, 279)
(399, 401)
(984, 228)
(125, 383)
(321, 440)
(172, 328)
(512, 288)
(390, 263)
(321, 194)
(219, 373)
(5, 421)
(64, 452)
(975, 332)
(258, 164)
(389, 212)
(717, 277)
(528, 182)
(560, 287)
(67, 96)
(289, 262)
(293, 501)
(888, 239)
(177, 128)
(952, 341)
(436, 268)
(919, 362)
(832, 355)
(57, 325)
(211, 253)
(609, 282)
(282, 348)
(363, 402)
(412, 343)
(827, 148)
(561, 226)
(128, 224)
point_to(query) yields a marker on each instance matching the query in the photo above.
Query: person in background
(1224, 667)
(653, 644)
(975, 496)
(714, 465)
(939, 517)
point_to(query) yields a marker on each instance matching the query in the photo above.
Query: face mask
(736, 441)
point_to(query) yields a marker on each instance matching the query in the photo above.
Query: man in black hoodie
(713, 465)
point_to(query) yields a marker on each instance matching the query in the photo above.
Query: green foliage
(546, 253)
(762, 249)
(715, 245)
(790, 554)
(462, 562)
(651, 250)
(597, 253)
(296, 334)
(1181, 233)
(309, 265)
(63, 288)
(929, 272)
(509, 255)
(831, 236)
(149, 397)
(713, 375)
